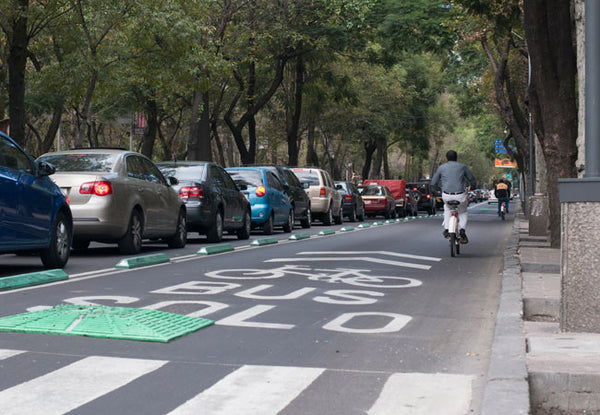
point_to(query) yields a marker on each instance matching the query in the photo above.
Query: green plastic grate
(35, 278)
(105, 322)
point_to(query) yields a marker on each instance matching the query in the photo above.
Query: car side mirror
(45, 169)
(172, 180)
(242, 187)
(338, 187)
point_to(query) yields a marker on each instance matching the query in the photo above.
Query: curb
(507, 386)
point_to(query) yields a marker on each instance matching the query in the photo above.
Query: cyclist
(501, 191)
(455, 178)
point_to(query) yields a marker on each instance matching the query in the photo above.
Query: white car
(325, 201)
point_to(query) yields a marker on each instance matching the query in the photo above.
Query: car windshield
(81, 162)
(184, 173)
(248, 177)
(372, 191)
(308, 176)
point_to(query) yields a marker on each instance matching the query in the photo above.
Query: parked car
(270, 204)
(379, 201)
(398, 190)
(213, 202)
(118, 196)
(34, 214)
(427, 199)
(294, 189)
(325, 200)
(412, 205)
(353, 204)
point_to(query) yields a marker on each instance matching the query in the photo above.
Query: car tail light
(261, 191)
(322, 192)
(96, 188)
(348, 197)
(428, 196)
(193, 192)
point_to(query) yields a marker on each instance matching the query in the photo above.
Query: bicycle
(503, 211)
(453, 233)
(354, 277)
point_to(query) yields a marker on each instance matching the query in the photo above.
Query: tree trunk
(293, 125)
(17, 60)
(248, 154)
(549, 33)
(151, 129)
(370, 147)
(57, 112)
(312, 159)
(199, 144)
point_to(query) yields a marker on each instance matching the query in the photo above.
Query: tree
(553, 96)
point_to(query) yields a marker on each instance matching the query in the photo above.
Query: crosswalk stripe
(420, 393)
(67, 388)
(250, 390)
(6, 353)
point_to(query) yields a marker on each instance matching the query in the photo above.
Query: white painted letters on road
(396, 323)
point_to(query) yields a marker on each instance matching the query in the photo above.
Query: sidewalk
(535, 368)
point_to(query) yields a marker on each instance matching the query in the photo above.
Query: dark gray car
(214, 203)
(353, 204)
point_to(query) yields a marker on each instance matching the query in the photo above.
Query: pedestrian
(454, 178)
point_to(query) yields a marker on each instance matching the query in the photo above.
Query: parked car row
(66, 200)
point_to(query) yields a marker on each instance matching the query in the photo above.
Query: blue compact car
(34, 214)
(269, 203)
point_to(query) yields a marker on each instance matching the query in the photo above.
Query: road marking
(6, 353)
(248, 389)
(74, 385)
(260, 390)
(346, 259)
(394, 254)
(424, 394)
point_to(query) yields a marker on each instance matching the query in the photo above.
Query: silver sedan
(118, 196)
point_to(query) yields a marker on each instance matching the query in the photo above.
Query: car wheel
(268, 226)
(57, 254)
(131, 243)
(305, 223)
(328, 216)
(215, 233)
(244, 232)
(289, 225)
(180, 238)
(352, 215)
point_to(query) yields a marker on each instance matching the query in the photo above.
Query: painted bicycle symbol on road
(350, 276)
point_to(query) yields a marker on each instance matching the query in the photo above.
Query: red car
(379, 201)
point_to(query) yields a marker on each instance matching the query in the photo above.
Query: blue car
(34, 214)
(269, 203)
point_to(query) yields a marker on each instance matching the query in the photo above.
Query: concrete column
(539, 223)
(580, 262)
(580, 204)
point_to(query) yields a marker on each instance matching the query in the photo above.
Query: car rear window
(247, 177)
(372, 191)
(308, 176)
(81, 162)
(184, 173)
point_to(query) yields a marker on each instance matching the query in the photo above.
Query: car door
(234, 199)
(278, 198)
(25, 201)
(297, 191)
(335, 195)
(163, 203)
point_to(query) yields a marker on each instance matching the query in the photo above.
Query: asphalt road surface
(379, 320)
